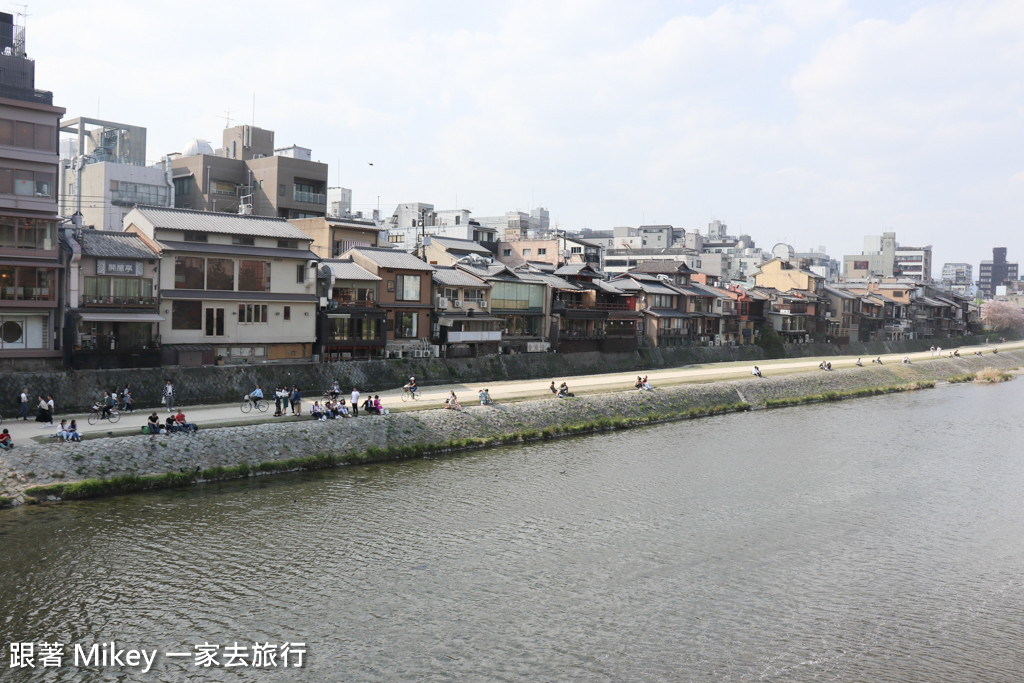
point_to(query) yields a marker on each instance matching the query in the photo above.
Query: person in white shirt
(355, 402)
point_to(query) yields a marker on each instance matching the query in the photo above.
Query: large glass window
(408, 288)
(405, 324)
(220, 274)
(517, 295)
(186, 315)
(353, 329)
(214, 322)
(254, 276)
(27, 283)
(188, 272)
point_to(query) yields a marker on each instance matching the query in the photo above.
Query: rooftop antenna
(254, 110)
(227, 118)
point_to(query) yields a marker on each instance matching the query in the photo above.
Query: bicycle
(97, 414)
(407, 394)
(248, 403)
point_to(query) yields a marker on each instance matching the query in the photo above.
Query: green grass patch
(843, 395)
(6, 502)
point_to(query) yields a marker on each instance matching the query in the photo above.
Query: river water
(877, 539)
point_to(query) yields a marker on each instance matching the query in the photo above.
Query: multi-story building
(995, 272)
(350, 324)
(414, 223)
(113, 315)
(31, 272)
(250, 176)
(241, 288)
(104, 173)
(884, 257)
(404, 295)
(463, 324)
(332, 237)
(958, 278)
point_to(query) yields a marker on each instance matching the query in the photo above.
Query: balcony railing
(309, 197)
(126, 301)
(474, 336)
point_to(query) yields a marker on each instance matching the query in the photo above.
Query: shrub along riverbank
(109, 466)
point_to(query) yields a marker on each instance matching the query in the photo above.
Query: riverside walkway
(433, 396)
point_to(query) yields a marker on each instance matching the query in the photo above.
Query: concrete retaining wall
(41, 464)
(76, 391)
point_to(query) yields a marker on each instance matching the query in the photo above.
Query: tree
(1003, 316)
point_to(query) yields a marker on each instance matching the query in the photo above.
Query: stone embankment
(111, 465)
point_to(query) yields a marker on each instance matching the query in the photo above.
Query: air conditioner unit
(483, 304)
(442, 302)
(456, 303)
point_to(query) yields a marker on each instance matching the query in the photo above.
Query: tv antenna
(227, 118)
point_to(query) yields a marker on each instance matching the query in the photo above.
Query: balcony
(672, 332)
(309, 197)
(473, 336)
(119, 301)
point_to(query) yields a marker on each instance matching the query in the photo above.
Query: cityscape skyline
(810, 123)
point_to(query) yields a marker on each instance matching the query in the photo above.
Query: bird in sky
(370, 162)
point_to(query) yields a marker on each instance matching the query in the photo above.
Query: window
(220, 274)
(113, 186)
(195, 237)
(254, 276)
(222, 188)
(506, 252)
(396, 238)
(280, 190)
(252, 313)
(214, 322)
(186, 315)
(182, 186)
(188, 272)
(527, 252)
(27, 233)
(287, 312)
(576, 250)
(26, 183)
(541, 251)
(405, 324)
(300, 273)
(408, 288)
(287, 244)
(243, 240)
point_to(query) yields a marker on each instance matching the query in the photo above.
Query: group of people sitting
(173, 424)
(329, 410)
(824, 365)
(452, 402)
(68, 432)
(562, 391)
(643, 384)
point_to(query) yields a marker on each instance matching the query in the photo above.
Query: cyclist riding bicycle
(411, 386)
(257, 394)
(107, 403)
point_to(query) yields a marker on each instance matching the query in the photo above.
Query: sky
(809, 122)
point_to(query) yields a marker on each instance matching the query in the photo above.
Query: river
(877, 539)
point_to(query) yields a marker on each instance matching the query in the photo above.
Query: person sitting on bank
(563, 391)
(341, 409)
(645, 385)
(906, 360)
(756, 372)
(639, 383)
(553, 389)
(153, 424)
(452, 403)
(171, 425)
(859, 364)
(183, 423)
(62, 431)
(378, 407)
(877, 360)
(73, 434)
(956, 353)
(5, 440)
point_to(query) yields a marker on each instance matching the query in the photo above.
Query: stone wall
(41, 464)
(77, 391)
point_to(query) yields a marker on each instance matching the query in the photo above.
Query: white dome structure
(196, 147)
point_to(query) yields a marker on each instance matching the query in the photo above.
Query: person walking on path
(168, 396)
(23, 406)
(126, 396)
(50, 407)
(355, 402)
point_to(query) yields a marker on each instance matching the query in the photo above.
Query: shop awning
(122, 317)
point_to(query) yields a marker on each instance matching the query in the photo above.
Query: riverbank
(105, 466)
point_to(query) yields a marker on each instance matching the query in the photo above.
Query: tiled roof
(453, 277)
(114, 245)
(222, 223)
(393, 258)
(345, 270)
(456, 244)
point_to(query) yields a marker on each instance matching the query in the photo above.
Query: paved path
(434, 396)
